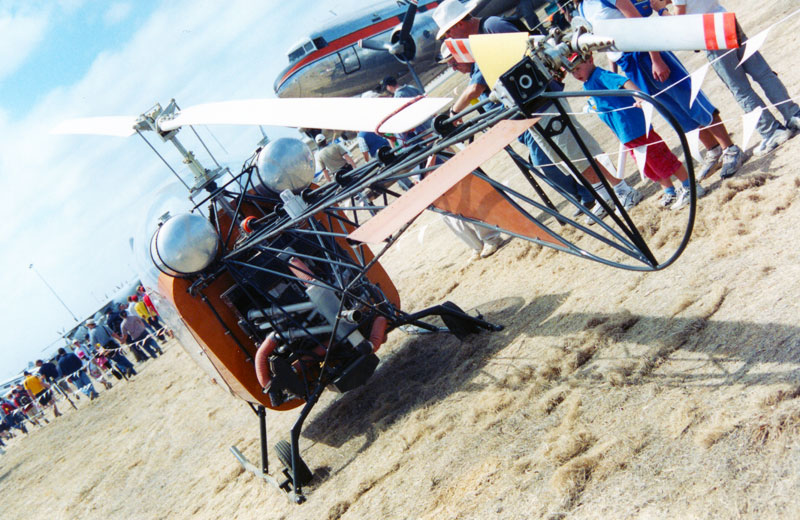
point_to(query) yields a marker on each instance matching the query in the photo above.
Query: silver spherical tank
(184, 245)
(285, 164)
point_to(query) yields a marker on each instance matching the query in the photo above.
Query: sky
(73, 202)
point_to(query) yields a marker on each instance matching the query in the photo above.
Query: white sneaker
(630, 198)
(778, 137)
(709, 163)
(684, 198)
(794, 123)
(667, 200)
(488, 250)
(598, 211)
(732, 160)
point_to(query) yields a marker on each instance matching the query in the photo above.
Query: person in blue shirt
(624, 116)
(71, 367)
(662, 74)
(461, 24)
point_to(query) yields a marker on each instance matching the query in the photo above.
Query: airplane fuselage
(329, 62)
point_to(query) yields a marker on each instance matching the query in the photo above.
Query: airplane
(353, 54)
(274, 285)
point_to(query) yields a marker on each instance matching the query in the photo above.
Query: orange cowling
(262, 359)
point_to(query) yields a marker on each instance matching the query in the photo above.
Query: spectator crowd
(133, 328)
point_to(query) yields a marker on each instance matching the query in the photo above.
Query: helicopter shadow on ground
(702, 351)
(425, 369)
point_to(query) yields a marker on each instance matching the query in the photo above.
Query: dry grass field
(609, 394)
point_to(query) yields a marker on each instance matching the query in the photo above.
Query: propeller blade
(117, 126)
(408, 21)
(696, 32)
(374, 45)
(353, 114)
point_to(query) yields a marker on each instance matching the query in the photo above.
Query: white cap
(320, 138)
(449, 13)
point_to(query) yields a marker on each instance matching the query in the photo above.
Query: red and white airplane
(353, 54)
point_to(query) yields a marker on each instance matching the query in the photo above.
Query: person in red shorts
(625, 117)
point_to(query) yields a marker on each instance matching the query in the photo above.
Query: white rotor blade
(353, 114)
(118, 126)
(670, 33)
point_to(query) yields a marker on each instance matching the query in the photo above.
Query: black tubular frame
(318, 238)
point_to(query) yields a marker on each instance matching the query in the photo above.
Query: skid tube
(291, 483)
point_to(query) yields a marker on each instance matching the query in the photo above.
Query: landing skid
(283, 485)
(295, 472)
(287, 483)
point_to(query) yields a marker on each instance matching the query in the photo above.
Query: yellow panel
(496, 53)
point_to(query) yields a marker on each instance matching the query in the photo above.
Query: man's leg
(153, 344)
(85, 384)
(146, 348)
(124, 364)
(137, 353)
(736, 80)
(758, 69)
(464, 232)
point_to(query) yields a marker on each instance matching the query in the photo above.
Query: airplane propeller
(403, 38)
(401, 44)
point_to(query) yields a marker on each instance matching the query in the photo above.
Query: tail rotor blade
(712, 31)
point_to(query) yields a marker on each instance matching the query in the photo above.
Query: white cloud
(20, 35)
(117, 12)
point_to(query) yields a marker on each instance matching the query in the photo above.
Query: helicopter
(274, 284)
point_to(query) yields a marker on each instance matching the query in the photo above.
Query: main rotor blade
(496, 53)
(355, 114)
(117, 126)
